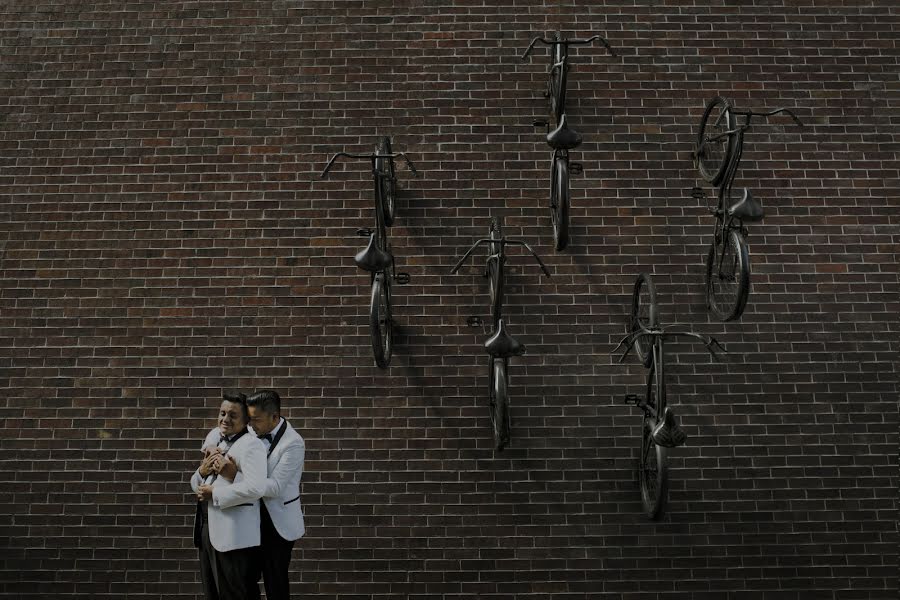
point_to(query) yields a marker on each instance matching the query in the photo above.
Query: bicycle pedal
(474, 321)
(698, 193)
(576, 168)
(632, 399)
(364, 232)
(541, 123)
(402, 278)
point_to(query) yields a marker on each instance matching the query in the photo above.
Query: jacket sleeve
(196, 480)
(288, 470)
(251, 486)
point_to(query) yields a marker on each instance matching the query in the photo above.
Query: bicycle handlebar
(569, 42)
(502, 242)
(709, 342)
(750, 114)
(372, 156)
(789, 112)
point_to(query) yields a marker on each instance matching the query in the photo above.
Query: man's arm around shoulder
(251, 486)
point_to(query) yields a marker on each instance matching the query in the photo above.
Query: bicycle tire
(712, 161)
(644, 314)
(500, 422)
(493, 270)
(559, 200)
(387, 181)
(381, 324)
(653, 471)
(728, 278)
(558, 90)
(495, 288)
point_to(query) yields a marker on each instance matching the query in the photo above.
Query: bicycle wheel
(728, 275)
(381, 323)
(495, 287)
(558, 81)
(385, 166)
(559, 200)
(644, 314)
(499, 402)
(713, 155)
(653, 472)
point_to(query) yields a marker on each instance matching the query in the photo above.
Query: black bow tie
(266, 436)
(224, 438)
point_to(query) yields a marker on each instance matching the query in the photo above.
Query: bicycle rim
(644, 314)
(728, 276)
(653, 471)
(499, 403)
(559, 202)
(388, 183)
(381, 324)
(713, 155)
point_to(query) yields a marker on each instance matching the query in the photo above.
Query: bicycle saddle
(563, 138)
(502, 345)
(373, 258)
(747, 208)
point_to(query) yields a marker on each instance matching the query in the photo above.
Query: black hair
(268, 401)
(238, 398)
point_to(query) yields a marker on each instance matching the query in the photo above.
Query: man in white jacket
(281, 513)
(227, 525)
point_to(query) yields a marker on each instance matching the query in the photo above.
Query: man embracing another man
(248, 513)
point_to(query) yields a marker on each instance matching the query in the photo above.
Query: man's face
(231, 418)
(261, 421)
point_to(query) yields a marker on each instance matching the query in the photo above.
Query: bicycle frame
(729, 231)
(562, 138)
(501, 345)
(377, 257)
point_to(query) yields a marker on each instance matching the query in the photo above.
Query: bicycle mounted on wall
(659, 427)
(376, 257)
(720, 143)
(561, 137)
(501, 345)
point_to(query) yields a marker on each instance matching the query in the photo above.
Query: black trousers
(229, 575)
(274, 558)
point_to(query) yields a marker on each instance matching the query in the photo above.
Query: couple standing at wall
(248, 509)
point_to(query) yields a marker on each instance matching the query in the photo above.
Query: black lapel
(277, 437)
(236, 437)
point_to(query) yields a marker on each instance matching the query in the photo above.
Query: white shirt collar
(274, 431)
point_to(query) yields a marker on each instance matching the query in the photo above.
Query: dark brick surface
(165, 234)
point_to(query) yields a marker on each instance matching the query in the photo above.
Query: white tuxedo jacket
(234, 510)
(282, 486)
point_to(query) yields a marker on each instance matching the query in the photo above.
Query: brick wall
(165, 235)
